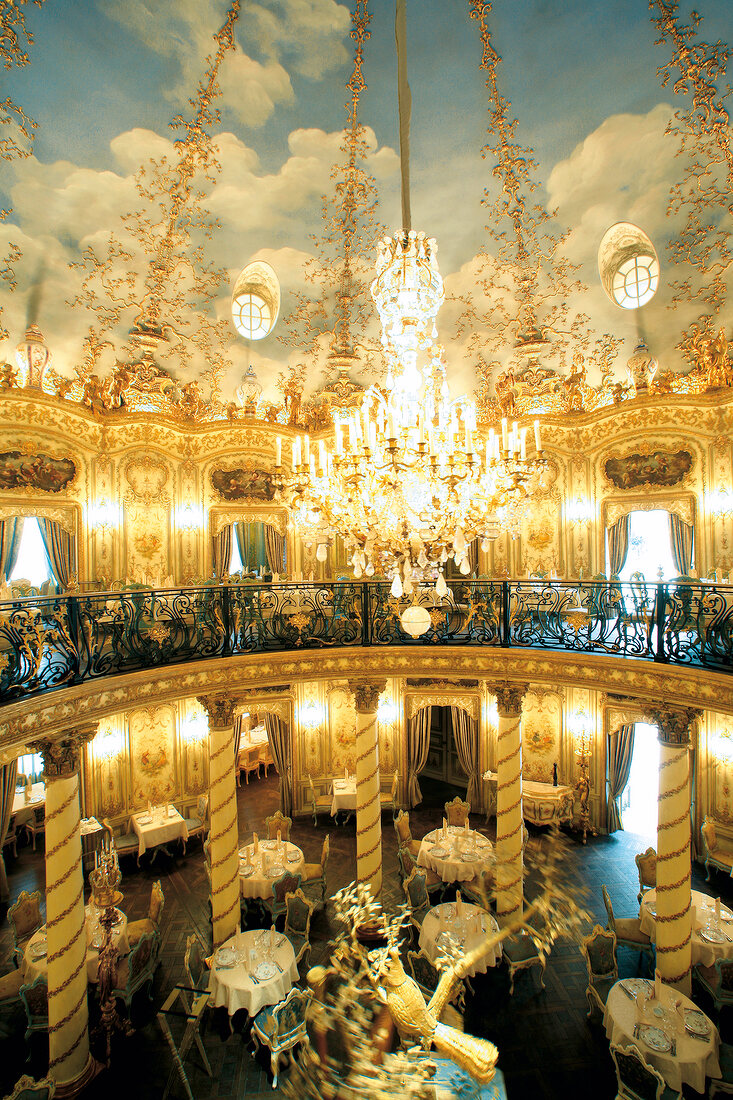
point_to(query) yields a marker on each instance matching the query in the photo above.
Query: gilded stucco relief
(153, 755)
(541, 734)
(342, 729)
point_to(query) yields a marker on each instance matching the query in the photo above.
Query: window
(636, 281)
(639, 800)
(252, 316)
(31, 765)
(32, 564)
(649, 547)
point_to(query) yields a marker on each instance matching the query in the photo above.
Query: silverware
(629, 994)
(696, 1035)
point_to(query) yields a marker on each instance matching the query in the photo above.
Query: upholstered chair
(714, 854)
(315, 873)
(628, 931)
(35, 1002)
(480, 889)
(11, 837)
(9, 991)
(194, 963)
(281, 1027)
(717, 981)
(125, 843)
(599, 950)
(433, 881)
(636, 1078)
(281, 887)
(520, 952)
(28, 1089)
(137, 969)
(646, 865)
(36, 824)
(318, 801)
(388, 800)
(725, 1060)
(416, 892)
(249, 762)
(138, 928)
(298, 913)
(457, 811)
(197, 824)
(26, 918)
(404, 836)
(278, 822)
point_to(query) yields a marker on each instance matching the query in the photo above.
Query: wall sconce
(189, 517)
(720, 504)
(195, 728)
(311, 715)
(105, 515)
(581, 727)
(387, 712)
(579, 510)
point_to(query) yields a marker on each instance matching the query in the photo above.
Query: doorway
(639, 799)
(443, 763)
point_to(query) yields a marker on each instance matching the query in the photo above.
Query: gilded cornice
(470, 703)
(646, 680)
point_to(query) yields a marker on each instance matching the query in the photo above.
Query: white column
(368, 805)
(224, 833)
(509, 821)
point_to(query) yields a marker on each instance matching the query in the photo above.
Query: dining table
(343, 795)
(157, 827)
(258, 870)
(466, 925)
(251, 970)
(684, 1053)
(24, 807)
(710, 941)
(35, 960)
(458, 856)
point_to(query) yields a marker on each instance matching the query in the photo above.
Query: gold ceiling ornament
(165, 238)
(703, 195)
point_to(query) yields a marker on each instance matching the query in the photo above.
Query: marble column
(224, 831)
(674, 912)
(368, 805)
(70, 1062)
(509, 822)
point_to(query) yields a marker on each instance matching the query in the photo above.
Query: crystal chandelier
(409, 482)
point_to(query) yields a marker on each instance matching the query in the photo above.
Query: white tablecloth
(32, 967)
(152, 833)
(542, 803)
(23, 811)
(466, 931)
(343, 792)
(453, 868)
(235, 988)
(703, 952)
(259, 884)
(694, 1058)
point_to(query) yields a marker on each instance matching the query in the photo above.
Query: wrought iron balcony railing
(51, 641)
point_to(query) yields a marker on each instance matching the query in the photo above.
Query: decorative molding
(62, 756)
(66, 515)
(509, 698)
(281, 708)
(470, 703)
(674, 723)
(220, 710)
(219, 519)
(682, 504)
(366, 694)
(147, 476)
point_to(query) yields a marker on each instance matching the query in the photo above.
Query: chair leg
(273, 1066)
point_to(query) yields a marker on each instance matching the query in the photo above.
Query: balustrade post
(509, 820)
(368, 803)
(659, 619)
(366, 625)
(224, 821)
(505, 615)
(226, 620)
(673, 891)
(72, 620)
(70, 1062)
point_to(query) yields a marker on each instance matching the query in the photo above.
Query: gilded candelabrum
(104, 880)
(582, 787)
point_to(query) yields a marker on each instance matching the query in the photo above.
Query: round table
(454, 866)
(704, 952)
(469, 930)
(259, 883)
(694, 1059)
(34, 964)
(235, 987)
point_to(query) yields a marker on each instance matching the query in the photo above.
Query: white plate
(655, 1038)
(39, 950)
(294, 857)
(245, 870)
(246, 851)
(146, 820)
(711, 935)
(268, 845)
(265, 970)
(439, 853)
(470, 855)
(696, 1023)
(226, 957)
(634, 985)
(276, 871)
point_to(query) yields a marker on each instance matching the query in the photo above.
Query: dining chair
(36, 824)
(137, 969)
(35, 1002)
(480, 889)
(10, 984)
(416, 892)
(288, 883)
(636, 1078)
(28, 1089)
(136, 929)
(717, 981)
(281, 1027)
(725, 1060)
(26, 918)
(715, 856)
(599, 950)
(197, 825)
(278, 822)
(628, 931)
(125, 843)
(315, 873)
(251, 761)
(646, 865)
(457, 811)
(318, 802)
(433, 881)
(404, 836)
(388, 801)
(520, 952)
(298, 913)
(11, 837)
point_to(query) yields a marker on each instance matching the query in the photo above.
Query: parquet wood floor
(548, 1049)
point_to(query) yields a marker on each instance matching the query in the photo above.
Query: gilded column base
(72, 1088)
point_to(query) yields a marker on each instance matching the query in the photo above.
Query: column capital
(674, 723)
(219, 709)
(509, 698)
(366, 694)
(62, 756)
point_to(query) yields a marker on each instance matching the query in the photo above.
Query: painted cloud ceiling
(106, 77)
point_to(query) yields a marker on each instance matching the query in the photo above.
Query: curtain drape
(275, 549)
(222, 551)
(240, 533)
(10, 532)
(418, 746)
(237, 736)
(618, 545)
(8, 774)
(681, 536)
(620, 749)
(465, 735)
(278, 736)
(60, 549)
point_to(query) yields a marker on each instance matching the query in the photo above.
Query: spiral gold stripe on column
(368, 806)
(509, 869)
(224, 835)
(68, 1037)
(674, 915)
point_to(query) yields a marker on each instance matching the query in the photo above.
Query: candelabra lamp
(582, 787)
(104, 880)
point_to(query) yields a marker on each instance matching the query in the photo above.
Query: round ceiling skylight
(628, 266)
(256, 301)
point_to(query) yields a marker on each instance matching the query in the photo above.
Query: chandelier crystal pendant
(409, 482)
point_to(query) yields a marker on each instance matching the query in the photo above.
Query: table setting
(675, 1037)
(343, 793)
(251, 970)
(35, 957)
(263, 861)
(455, 852)
(463, 924)
(156, 826)
(712, 926)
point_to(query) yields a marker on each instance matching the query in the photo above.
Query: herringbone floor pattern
(548, 1049)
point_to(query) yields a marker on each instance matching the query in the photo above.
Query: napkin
(272, 937)
(255, 844)
(639, 1008)
(459, 905)
(465, 826)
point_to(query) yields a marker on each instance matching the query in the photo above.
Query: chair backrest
(402, 828)
(202, 807)
(157, 901)
(325, 852)
(416, 890)
(286, 884)
(394, 787)
(725, 969)
(407, 863)
(140, 957)
(311, 788)
(609, 909)
(108, 830)
(35, 1000)
(28, 1089)
(289, 1016)
(194, 962)
(646, 863)
(636, 1079)
(298, 913)
(708, 834)
(425, 974)
(252, 757)
(278, 821)
(25, 916)
(600, 953)
(457, 811)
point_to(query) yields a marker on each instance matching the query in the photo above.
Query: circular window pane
(636, 281)
(251, 315)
